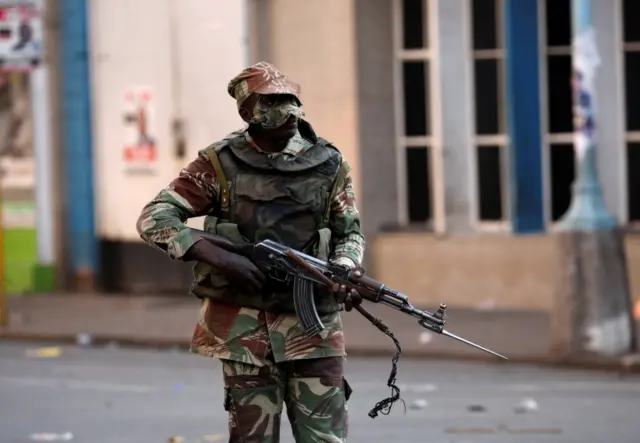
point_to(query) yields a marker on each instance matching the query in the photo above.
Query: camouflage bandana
(274, 116)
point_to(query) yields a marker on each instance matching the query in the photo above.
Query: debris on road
(535, 431)
(45, 436)
(51, 352)
(176, 439)
(212, 437)
(526, 405)
(419, 403)
(476, 408)
(471, 430)
(420, 389)
(502, 429)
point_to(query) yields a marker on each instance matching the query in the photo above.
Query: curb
(629, 364)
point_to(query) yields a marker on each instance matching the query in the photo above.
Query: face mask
(272, 115)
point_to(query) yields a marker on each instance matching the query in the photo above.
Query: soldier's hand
(239, 270)
(349, 297)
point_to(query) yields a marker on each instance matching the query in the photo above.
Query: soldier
(275, 179)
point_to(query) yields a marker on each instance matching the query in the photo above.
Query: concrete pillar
(259, 30)
(453, 86)
(593, 312)
(52, 49)
(314, 43)
(610, 108)
(377, 160)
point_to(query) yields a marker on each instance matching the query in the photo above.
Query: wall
(475, 271)
(184, 53)
(610, 108)
(314, 44)
(463, 268)
(378, 184)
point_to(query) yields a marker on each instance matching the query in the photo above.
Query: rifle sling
(383, 406)
(220, 178)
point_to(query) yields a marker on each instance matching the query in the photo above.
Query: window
(491, 139)
(559, 107)
(631, 72)
(414, 144)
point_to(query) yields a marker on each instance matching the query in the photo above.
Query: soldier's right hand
(239, 270)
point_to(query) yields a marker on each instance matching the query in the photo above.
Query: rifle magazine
(303, 302)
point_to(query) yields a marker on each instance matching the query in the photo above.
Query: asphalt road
(114, 395)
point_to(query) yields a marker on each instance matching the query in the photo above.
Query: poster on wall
(20, 36)
(140, 152)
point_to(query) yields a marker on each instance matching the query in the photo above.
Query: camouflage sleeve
(348, 241)
(192, 194)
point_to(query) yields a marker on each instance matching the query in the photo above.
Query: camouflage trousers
(314, 392)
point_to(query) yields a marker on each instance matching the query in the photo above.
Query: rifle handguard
(335, 286)
(367, 287)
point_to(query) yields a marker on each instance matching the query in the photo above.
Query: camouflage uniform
(267, 359)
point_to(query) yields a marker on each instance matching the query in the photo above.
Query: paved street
(131, 396)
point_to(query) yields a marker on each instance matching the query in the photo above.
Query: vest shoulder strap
(212, 154)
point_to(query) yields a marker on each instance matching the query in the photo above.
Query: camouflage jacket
(239, 333)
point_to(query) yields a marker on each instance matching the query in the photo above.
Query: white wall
(186, 52)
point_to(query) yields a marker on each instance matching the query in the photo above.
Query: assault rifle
(303, 271)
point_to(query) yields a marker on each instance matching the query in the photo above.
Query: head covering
(261, 78)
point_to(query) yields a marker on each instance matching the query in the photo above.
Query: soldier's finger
(342, 294)
(259, 275)
(356, 297)
(253, 285)
(348, 303)
(256, 280)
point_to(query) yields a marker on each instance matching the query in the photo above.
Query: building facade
(463, 141)
(456, 115)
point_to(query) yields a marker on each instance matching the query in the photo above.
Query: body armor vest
(264, 197)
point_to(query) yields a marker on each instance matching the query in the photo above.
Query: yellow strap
(220, 178)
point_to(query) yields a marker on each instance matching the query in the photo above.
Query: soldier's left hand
(350, 298)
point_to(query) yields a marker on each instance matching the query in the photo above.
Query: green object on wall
(21, 257)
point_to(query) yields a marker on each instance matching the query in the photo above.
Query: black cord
(384, 406)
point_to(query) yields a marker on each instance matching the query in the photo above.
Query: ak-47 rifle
(285, 264)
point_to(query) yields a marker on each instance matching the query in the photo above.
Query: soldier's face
(275, 116)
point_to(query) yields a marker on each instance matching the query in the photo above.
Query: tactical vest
(261, 198)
